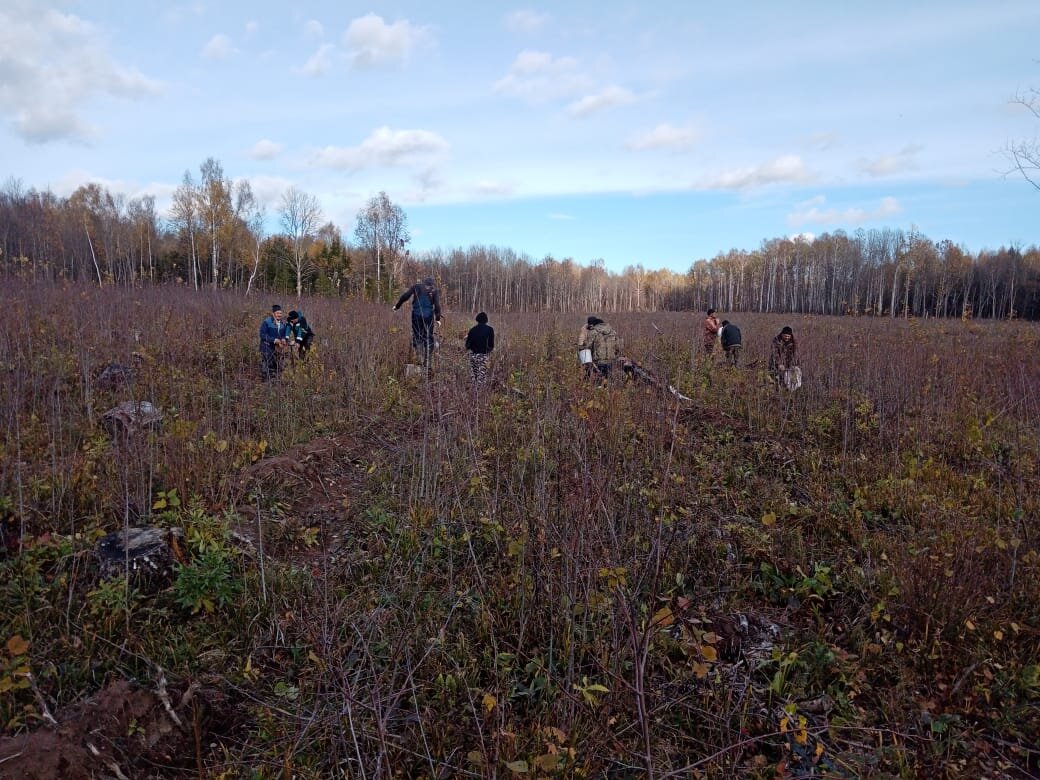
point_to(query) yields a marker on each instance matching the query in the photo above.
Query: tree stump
(130, 417)
(147, 554)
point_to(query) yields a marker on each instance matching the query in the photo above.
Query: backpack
(423, 305)
(604, 344)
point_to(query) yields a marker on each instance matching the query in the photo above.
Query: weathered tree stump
(130, 417)
(147, 554)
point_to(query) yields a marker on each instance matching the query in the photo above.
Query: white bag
(585, 356)
(792, 378)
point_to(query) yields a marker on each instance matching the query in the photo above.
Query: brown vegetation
(389, 576)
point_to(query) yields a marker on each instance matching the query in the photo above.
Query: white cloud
(47, 123)
(903, 160)
(525, 21)
(76, 178)
(383, 147)
(787, 169)
(608, 97)
(666, 136)
(51, 64)
(812, 211)
(319, 62)
(537, 76)
(487, 188)
(428, 182)
(219, 47)
(265, 150)
(269, 189)
(252, 27)
(371, 41)
(314, 29)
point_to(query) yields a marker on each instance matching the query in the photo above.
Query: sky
(633, 133)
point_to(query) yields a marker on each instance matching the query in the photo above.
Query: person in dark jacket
(300, 333)
(426, 315)
(783, 355)
(273, 343)
(480, 341)
(731, 346)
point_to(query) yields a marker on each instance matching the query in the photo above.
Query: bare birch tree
(301, 215)
(1024, 156)
(382, 232)
(184, 215)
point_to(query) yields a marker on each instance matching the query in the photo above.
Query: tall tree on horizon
(301, 215)
(382, 231)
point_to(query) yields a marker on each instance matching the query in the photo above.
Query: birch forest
(217, 234)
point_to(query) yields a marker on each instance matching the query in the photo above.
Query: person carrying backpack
(603, 341)
(426, 315)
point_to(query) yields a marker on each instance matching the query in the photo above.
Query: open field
(381, 576)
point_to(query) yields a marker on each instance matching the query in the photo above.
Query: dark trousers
(269, 365)
(422, 338)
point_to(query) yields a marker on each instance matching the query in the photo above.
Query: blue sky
(636, 133)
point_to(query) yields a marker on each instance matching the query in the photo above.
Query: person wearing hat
(711, 331)
(300, 333)
(426, 315)
(783, 355)
(273, 340)
(729, 335)
(480, 341)
(602, 340)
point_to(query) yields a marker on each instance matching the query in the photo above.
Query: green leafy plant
(208, 583)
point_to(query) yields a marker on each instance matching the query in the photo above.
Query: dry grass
(589, 581)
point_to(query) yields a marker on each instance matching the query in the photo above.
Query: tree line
(216, 235)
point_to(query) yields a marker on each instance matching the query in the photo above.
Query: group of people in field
(783, 352)
(599, 347)
(283, 339)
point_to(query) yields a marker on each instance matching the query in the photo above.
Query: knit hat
(593, 321)
(787, 329)
(276, 307)
(293, 315)
(482, 318)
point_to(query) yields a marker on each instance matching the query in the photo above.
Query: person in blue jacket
(273, 343)
(426, 315)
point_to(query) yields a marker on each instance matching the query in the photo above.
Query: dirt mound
(313, 484)
(122, 731)
(298, 468)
